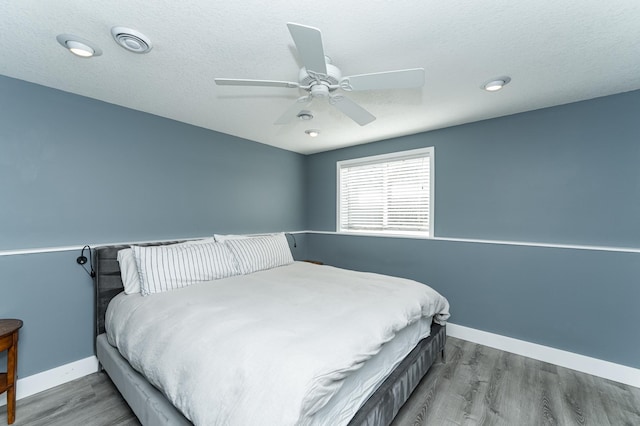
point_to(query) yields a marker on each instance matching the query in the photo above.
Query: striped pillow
(164, 268)
(259, 253)
(129, 269)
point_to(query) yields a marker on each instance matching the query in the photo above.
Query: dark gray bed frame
(152, 408)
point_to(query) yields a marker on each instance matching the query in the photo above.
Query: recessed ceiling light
(305, 115)
(312, 132)
(80, 49)
(496, 84)
(78, 46)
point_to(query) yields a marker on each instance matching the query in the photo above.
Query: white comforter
(268, 348)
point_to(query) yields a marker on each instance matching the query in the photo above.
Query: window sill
(412, 235)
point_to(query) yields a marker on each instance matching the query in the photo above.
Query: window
(387, 194)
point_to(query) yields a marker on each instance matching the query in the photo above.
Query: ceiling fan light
(319, 91)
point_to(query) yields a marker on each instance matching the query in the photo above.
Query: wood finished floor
(476, 386)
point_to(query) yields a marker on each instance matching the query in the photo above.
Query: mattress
(356, 383)
(357, 388)
(153, 409)
(364, 381)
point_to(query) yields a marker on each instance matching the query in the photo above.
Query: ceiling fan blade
(400, 79)
(264, 83)
(293, 110)
(352, 109)
(308, 41)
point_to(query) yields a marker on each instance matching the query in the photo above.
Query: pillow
(259, 253)
(129, 268)
(206, 240)
(163, 268)
(223, 238)
(129, 271)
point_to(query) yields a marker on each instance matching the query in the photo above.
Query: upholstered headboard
(108, 282)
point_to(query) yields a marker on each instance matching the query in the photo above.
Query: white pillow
(223, 238)
(259, 253)
(129, 268)
(206, 240)
(129, 271)
(170, 267)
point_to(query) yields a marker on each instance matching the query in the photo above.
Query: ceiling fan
(321, 79)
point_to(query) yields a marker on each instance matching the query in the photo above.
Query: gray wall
(113, 174)
(563, 175)
(568, 174)
(76, 171)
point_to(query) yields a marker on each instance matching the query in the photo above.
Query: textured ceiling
(556, 52)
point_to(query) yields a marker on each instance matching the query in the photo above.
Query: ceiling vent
(132, 40)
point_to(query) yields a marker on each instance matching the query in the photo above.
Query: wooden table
(9, 342)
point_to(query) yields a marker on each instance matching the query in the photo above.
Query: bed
(377, 406)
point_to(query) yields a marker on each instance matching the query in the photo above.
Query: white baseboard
(596, 367)
(620, 373)
(56, 376)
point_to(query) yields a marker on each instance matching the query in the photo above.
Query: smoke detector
(132, 40)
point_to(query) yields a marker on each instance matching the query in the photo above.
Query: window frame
(428, 152)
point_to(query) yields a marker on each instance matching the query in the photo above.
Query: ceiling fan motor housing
(320, 91)
(332, 78)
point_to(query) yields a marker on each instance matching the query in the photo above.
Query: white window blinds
(389, 193)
